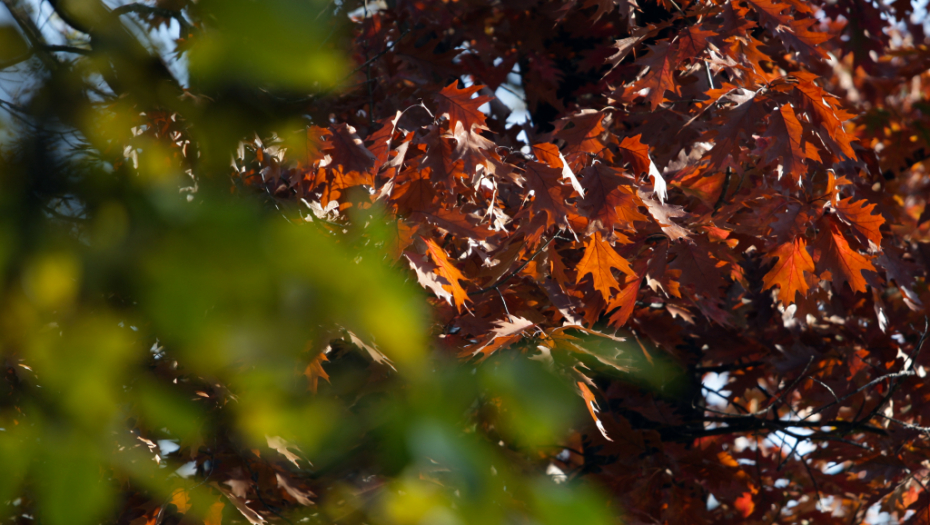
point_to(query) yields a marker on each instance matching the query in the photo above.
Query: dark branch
(142, 9)
(726, 368)
(67, 49)
(515, 272)
(908, 372)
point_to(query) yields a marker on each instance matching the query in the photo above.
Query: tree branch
(909, 371)
(142, 9)
(726, 368)
(873, 382)
(515, 272)
(32, 32)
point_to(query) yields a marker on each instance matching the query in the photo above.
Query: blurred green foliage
(132, 312)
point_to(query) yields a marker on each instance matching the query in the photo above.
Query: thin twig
(366, 63)
(747, 422)
(909, 371)
(727, 368)
(910, 426)
(776, 402)
(784, 460)
(515, 272)
(142, 9)
(676, 6)
(710, 79)
(68, 49)
(504, 302)
(725, 398)
(814, 481)
(792, 386)
(32, 32)
(827, 387)
(871, 383)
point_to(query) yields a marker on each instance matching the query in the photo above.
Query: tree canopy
(458, 261)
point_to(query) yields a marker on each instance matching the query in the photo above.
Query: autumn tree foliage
(707, 228)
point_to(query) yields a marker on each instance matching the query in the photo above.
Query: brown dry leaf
(593, 409)
(427, 276)
(240, 504)
(315, 371)
(505, 333)
(239, 485)
(448, 271)
(376, 355)
(214, 515)
(302, 497)
(181, 500)
(282, 446)
(663, 214)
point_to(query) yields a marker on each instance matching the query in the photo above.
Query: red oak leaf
(859, 216)
(550, 194)
(788, 144)
(599, 260)
(662, 63)
(826, 115)
(607, 201)
(832, 252)
(459, 106)
(788, 272)
(448, 271)
(347, 150)
(625, 301)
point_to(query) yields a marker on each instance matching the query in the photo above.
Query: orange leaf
(399, 236)
(549, 154)
(181, 499)
(788, 272)
(380, 140)
(458, 105)
(744, 504)
(470, 147)
(448, 271)
(315, 372)
(692, 42)
(858, 215)
(833, 253)
(636, 153)
(414, 191)
(215, 514)
(599, 260)
(453, 221)
(625, 301)
(591, 403)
